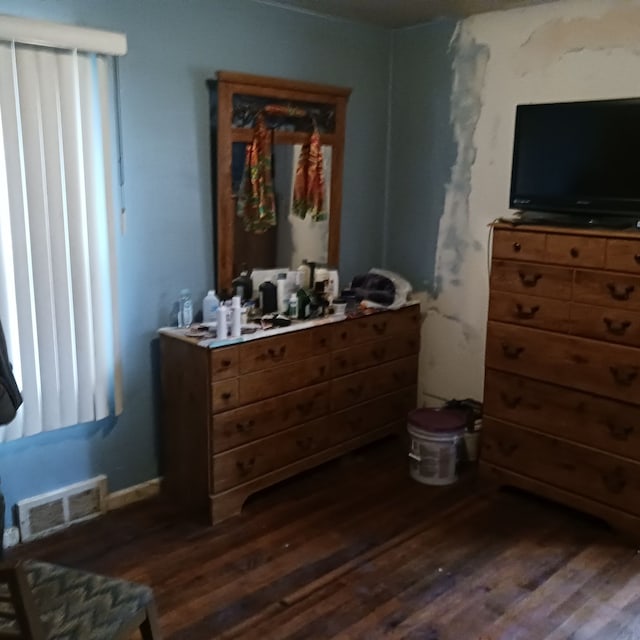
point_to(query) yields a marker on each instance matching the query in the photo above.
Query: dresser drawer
(581, 417)
(237, 427)
(600, 323)
(278, 380)
(366, 385)
(623, 255)
(519, 245)
(265, 353)
(376, 326)
(373, 415)
(532, 311)
(605, 369)
(224, 395)
(584, 471)
(616, 290)
(373, 353)
(250, 461)
(532, 279)
(578, 251)
(223, 363)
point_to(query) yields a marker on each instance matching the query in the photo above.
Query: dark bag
(10, 398)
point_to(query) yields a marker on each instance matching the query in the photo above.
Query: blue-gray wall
(174, 46)
(422, 148)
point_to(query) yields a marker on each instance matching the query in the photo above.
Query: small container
(339, 307)
(293, 306)
(222, 327)
(185, 311)
(210, 305)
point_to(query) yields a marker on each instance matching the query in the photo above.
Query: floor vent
(41, 515)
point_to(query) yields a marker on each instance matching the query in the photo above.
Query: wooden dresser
(562, 380)
(243, 417)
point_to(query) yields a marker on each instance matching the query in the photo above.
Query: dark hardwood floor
(356, 549)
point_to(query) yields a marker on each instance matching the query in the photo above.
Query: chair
(42, 601)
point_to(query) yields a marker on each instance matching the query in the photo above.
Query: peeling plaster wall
(569, 50)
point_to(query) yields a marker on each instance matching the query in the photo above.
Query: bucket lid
(439, 420)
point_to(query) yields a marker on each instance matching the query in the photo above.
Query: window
(58, 298)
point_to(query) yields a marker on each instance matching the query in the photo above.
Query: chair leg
(150, 628)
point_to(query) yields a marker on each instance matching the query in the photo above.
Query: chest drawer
(223, 363)
(278, 380)
(584, 471)
(518, 245)
(581, 417)
(366, 385)
(239, 426)
(600, 323)
(577, 251)
(605, 369)
(224, 395)
(532, 311)
(265, 353)
(531, 279)
(376, 326)
(623, 255)
(616, 290)
(250, 461)
(373, 353)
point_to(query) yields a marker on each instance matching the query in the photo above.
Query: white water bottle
(210, 305)
(236, 317)
(185, 311)
(222, 330)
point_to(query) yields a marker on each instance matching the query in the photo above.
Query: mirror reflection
(293, 238)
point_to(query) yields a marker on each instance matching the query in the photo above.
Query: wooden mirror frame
(228, 84)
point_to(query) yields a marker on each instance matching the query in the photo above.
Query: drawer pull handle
(507, 448)
(619, 432)
(379, 327)
(517, 247)
(526, 314)
(614, 481)
(511, 352)
(244, 427)
(226, 363)
(624, 376)
(529, 279)
(226, 395)
(277, 355)
(378, 353)
(305, 443)
(637, 258)
(245, 467)
(355, 391)
(305, 407)
(575, 252)
(616, 328)
(343, 335)
(620, 292)
(511, 402)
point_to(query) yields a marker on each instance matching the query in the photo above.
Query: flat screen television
(578, 162)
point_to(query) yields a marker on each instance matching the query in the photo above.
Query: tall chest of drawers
(562, 377)
(240, 418)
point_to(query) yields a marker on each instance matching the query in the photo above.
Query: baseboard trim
(138, 492)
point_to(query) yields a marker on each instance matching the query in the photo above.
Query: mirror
(291, 111)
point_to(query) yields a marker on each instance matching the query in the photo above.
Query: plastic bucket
(435, 434)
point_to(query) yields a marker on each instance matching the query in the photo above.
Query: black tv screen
(580, 158)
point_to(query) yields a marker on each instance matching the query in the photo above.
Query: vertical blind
(58, 298)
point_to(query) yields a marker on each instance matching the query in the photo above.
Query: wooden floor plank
(358, 550)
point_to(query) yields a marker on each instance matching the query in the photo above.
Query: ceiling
(398, 13)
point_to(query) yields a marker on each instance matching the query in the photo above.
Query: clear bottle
(293, 306)
(210, 305)
(185, 311)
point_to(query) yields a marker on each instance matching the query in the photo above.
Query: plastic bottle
(282, 294)
(293, 306)
(305, 275)
(236, 317)
(185, 312)
(222, 331)
(210, 305)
